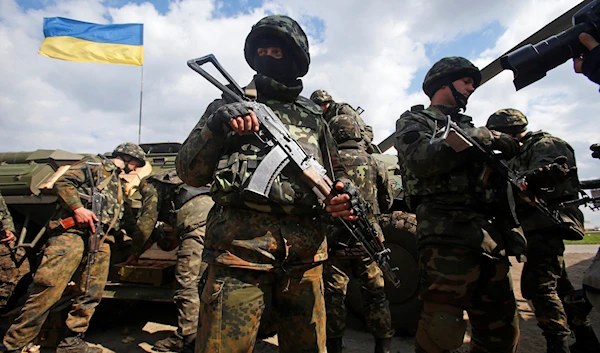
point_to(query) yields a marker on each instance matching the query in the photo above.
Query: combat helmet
(286, 29)
(448, 70)
(132, 150)
(344, 128)
(321, 96)
(509, 121)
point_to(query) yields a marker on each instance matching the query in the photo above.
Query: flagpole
(141, 98)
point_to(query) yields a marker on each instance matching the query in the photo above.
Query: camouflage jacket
(370, 177)
(191, 217)
(231, 160)
(539, 149)
(440, 183)
(340, 108)
(75, 182)
(5, 217)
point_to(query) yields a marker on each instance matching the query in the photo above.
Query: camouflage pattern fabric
(63, 257)
(544, 281)
(233, 302)
(132, 150)
(448, 70)
(538, 150)
(342, 108)
(66, 252)
(285, 28)
(157, 205)
(191, 222)
(336, 273)
(458, 278)
(5, 217)
(251, 220)
(453, 229)
(320, 96)
(508, 121)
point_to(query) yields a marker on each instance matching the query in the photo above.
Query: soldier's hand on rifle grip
(245, 124)
(85, 218)
(232, 116)
(589, 63)
(341, 204)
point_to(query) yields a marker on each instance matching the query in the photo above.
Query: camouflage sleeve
(366, 130)
(423, 159)
(67, 186)
(5, 217)
(385, 194)
(148, 216)
(200, 152)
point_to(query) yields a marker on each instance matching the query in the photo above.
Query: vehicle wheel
(404, 304)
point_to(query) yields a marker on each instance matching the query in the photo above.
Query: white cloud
(367, 55)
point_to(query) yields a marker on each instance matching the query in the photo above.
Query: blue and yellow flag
(72, 40)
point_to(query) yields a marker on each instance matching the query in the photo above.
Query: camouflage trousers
(454, 279)
(13, 266)
(233, 302)
(544, 281)
(336, 272)
(64, 255)
(188, 273)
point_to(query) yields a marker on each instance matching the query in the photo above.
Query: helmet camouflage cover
(285, 28)
(507, 121)
(344, 128)
(448, 70)
(132, 150)
(320, 96)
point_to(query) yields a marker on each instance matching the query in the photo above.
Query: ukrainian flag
(72, 40)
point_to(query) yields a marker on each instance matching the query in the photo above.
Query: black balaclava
(283, 70)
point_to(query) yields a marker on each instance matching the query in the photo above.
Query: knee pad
(447, 330)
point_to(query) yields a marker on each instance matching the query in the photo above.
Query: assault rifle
(285, 149)
(94, 239)
(592, 202)
(460, 141)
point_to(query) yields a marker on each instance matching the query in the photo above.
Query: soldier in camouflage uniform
(166, 198)
(261, 250)
(463, 259)
(65, 253)
(332, 108)
(346, 257)
(544, 280)
(10, 259)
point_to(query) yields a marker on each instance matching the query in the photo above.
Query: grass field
(590, 238)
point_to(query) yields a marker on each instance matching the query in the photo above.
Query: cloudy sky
(372, 54)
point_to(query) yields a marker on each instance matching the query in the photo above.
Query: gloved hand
(595, 148)
(508, 145)
(218, 122)
(346, 198)
(551, 174)
(591, 61)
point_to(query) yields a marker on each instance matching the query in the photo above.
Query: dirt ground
(128, 327)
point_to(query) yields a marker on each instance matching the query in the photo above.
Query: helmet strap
(459, 98)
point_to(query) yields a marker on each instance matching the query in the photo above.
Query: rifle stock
(284, 150)
(94, 239)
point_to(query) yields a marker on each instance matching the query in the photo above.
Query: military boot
(586, 340)
(334, 345)
(557, 344)
(75, 344)
(382, 345)
(174, 343)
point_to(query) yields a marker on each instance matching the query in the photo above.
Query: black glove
(591, 65)
(508, 145)
(218, 122)
(352, 191)
(595, 148)
(551, 174)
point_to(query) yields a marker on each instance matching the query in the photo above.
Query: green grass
(590, 238)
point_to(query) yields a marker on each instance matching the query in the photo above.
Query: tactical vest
(362, 170)
(242, 155)
(459, 186)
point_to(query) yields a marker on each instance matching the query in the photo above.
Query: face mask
(277, 69)
(127, 170)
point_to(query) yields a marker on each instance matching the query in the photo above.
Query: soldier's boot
(557, 344)
(334, 345)
(382, 345)
(175, 343)
(586, 340)
(75, 344)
